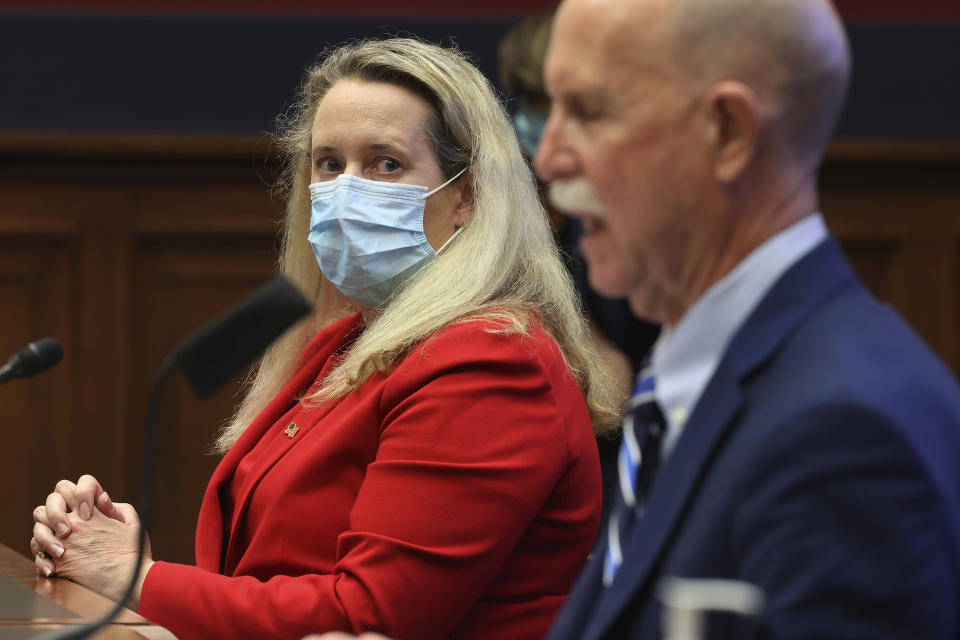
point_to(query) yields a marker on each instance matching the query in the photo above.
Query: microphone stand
(208, 357)
(145, 504)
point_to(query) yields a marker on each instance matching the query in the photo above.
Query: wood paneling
(198, 278)
(896, 210)
(36, 299)
(120, 246)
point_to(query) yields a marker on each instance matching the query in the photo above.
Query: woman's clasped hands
(79, 533)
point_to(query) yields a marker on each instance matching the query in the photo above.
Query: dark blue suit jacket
(822, 464)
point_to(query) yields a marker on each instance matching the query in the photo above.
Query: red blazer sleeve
(475, 435)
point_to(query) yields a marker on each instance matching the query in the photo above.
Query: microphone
(35, 357)
(217, 351)
(209, 358)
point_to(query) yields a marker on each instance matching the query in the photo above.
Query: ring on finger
(43, 555)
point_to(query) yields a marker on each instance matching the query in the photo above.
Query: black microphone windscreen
(40, 355)
(214, 354)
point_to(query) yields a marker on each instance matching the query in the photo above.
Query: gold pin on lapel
(291, 430)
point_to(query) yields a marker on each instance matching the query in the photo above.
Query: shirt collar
(686, 355)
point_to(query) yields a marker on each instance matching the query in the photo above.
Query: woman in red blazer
(419, 458)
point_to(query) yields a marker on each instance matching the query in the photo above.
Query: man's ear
(464, 209)
(737, 117)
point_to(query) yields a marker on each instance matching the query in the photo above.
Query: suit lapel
(211, 542)
(802, 290)
(675, 486)
(211, 528)
(234, 547)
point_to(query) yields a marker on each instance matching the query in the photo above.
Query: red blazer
(456, 496)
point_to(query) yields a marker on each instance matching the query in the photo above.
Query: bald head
(794, 52)
(698, 124)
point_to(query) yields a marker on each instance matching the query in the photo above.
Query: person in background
(522, 52)
(791, 432)
(623, 339)
(419, 459)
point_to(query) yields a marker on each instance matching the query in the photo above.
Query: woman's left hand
(100, 553)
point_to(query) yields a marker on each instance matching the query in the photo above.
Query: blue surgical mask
(529, 126)
(368, 235)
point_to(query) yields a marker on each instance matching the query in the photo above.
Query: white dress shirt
(686, 355)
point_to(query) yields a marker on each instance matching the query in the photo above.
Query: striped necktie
(643, 431)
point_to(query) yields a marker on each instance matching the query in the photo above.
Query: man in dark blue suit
(790, 432)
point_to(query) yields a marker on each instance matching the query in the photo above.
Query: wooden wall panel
(872, 260)
(919, 278)
(36, 415)
(896, 210)
(183, 282)
(121, 246)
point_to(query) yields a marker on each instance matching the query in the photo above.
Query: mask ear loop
(449, 240)
(430, 193)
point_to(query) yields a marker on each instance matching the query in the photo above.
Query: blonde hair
(504, 266)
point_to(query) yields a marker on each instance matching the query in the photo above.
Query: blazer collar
(211, 542)
(802, 290)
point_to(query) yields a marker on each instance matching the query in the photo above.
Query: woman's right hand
(67, 497)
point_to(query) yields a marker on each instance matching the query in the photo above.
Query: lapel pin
(291, 430)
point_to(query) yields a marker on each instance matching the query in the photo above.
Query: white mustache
(575, 196)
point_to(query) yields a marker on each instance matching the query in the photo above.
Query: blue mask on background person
(368, 235)
(529, 126)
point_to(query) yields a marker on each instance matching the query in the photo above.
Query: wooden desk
(57, 602)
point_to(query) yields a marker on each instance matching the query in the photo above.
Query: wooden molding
(137, 145)
(894, 152)
(243, 146)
